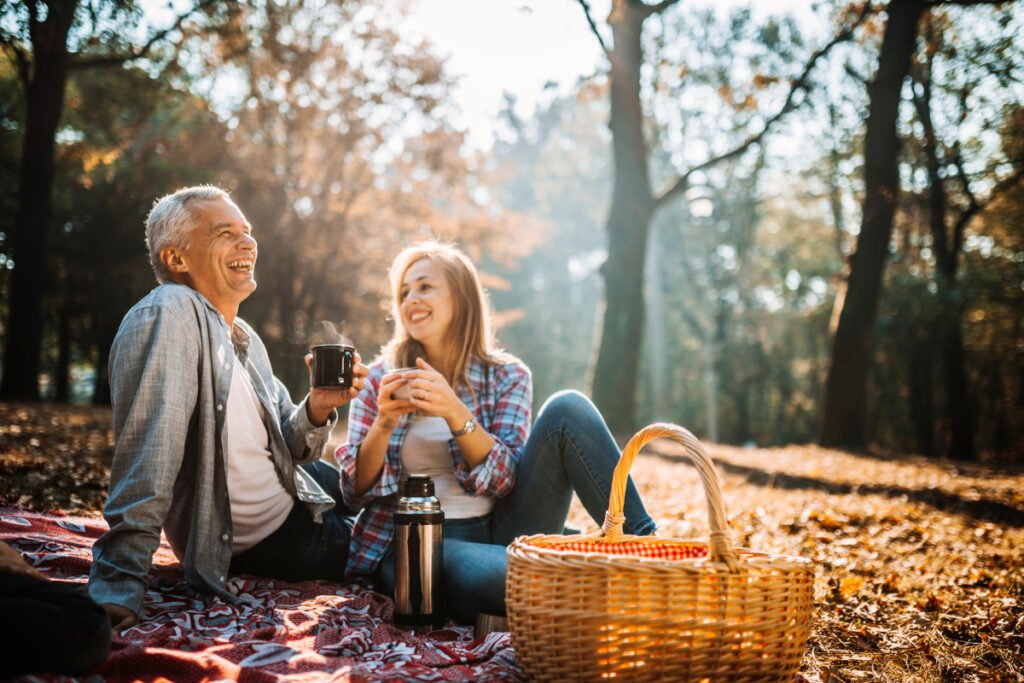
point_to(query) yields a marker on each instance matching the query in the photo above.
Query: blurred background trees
(46, 42)
(332, 128)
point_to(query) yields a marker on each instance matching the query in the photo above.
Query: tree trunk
(632, 205)
(711, 380)
(100, 381)
(656, 332)
(835, 192)
(959, 407)
(44, 103)
(62, 374)
(922, 412)
(846, 388)
(948, 325)
(105, 330)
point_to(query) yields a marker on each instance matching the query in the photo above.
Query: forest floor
(920, 563)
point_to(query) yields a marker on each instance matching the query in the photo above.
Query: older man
(210, 446)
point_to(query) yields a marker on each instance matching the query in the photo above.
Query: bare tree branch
(967, 3)
(798, 85)
(659, 8)
(854, 74)
(94, 15)
(593, 26)
(142, 51)
(974, 206)
(33, 22)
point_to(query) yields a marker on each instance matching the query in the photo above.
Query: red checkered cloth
(310, 631)
(657, 551)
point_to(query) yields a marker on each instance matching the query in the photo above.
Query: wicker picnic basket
(648, 608)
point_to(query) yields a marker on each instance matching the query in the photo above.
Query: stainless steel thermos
(419, 530)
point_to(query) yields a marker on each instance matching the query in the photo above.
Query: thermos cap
(418, 486)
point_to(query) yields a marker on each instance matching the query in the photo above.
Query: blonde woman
(461, 413)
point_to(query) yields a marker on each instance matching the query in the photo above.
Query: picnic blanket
(309, 631)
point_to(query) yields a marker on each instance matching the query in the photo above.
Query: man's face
(221, 255)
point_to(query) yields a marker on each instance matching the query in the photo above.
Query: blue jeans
(300, 549)
(569, 449)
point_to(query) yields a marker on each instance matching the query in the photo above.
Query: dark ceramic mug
(332, 365)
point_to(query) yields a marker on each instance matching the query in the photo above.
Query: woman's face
(426, 304)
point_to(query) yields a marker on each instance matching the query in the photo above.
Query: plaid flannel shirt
(503, 397)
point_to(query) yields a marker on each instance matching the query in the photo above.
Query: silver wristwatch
(467, 428)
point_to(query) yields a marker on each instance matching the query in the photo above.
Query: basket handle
(720, 546)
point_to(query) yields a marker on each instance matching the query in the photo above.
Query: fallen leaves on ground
(55, 457)
(919, 562)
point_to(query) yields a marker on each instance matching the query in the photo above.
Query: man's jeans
(569, 449)
(300, 549)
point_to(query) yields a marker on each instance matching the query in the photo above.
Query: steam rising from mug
(326, 332)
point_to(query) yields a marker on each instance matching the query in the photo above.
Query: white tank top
(259, 503)
(425, 451)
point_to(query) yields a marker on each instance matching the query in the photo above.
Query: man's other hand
(11, 562)
(120, 617)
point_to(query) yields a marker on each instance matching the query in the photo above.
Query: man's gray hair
(170, 221)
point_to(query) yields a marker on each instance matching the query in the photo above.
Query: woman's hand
(371, 453)
(389, 407)
(432, 394)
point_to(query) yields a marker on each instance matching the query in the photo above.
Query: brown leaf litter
(919, 562)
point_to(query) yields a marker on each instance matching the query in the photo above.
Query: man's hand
(11, 562)
(120, 617)
(324, 400)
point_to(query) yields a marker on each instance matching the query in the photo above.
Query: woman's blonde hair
(470, 332)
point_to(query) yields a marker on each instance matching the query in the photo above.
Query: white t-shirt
(425, 451)
(259, 503)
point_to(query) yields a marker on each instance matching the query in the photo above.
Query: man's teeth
(240, 265)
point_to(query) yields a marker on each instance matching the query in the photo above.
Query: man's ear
(173, 259)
